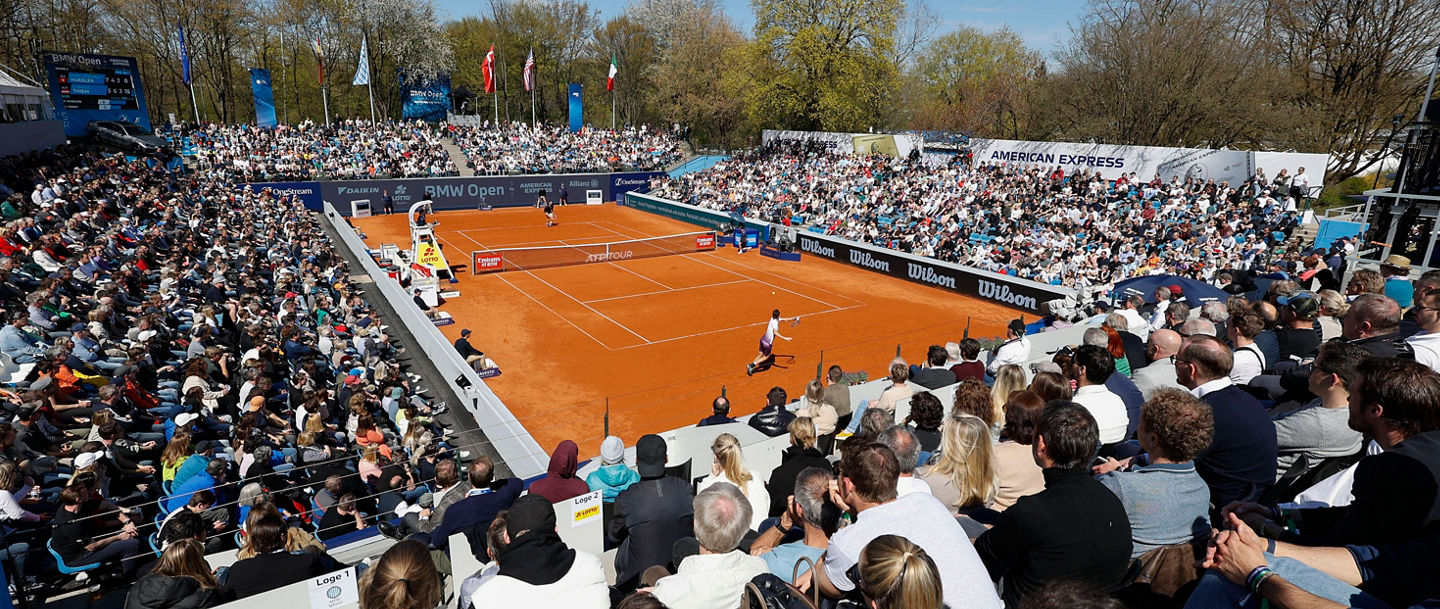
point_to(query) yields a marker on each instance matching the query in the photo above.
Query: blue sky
(1043, 24)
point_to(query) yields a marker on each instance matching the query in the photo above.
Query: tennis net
(531, 258)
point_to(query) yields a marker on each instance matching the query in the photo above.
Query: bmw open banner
(425, 100)
(264, 97)
(88, 87)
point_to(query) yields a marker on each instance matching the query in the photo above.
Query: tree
(1167, 73)
(635, 52)
(693, 77)
(976, 82)
(1351, 65)
(822, 64)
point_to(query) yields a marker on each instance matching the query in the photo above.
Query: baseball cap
(650, 455)
(530, 513)
(465, 332)
(84, 460)
(1305, 304)
(185, 418)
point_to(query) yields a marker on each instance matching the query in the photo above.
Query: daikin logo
(920, 272)
(1001, 293)
(814, 247)
(866, 260)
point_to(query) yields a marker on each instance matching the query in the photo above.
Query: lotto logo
(705, 242)
(488, 261)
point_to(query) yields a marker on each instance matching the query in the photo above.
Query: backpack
(766, 591)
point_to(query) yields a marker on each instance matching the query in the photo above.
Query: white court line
(581, 303)
(553, 311)
(618, 266)
(667, 291)
(754, 325)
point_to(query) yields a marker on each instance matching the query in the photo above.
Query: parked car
(127, 136)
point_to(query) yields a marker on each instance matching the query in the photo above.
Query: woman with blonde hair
(823, 415)
(1332, 308)
(729, 466)
(174, 455)
(405, 577)
(369, 464)
(1008, 379)
(181, 580)
(897, 574)
(963, 475)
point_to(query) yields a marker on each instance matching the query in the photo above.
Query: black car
(127, 136)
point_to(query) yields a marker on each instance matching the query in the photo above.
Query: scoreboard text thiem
(87, 87)
(109, 90)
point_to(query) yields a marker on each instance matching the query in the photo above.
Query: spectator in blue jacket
(613, 476)
(212, 479)
(472, 515)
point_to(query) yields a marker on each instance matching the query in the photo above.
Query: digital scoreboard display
(87, 87)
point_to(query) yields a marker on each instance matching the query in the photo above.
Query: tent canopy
(1196, 293)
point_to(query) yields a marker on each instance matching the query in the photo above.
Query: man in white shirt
(1427, 342)
(715, 577)
(906, 447)
(1089, 369)
(1162, 304)
(1130, 310)
(867, 489)
(1016, 349)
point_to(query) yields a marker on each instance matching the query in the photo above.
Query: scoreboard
(87, 87)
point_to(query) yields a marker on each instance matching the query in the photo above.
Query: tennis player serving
(772, 332)
(549, 208)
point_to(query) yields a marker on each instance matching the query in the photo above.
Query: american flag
(530, 71)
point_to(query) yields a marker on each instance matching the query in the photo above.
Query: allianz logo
(1002, 293)
(920, 272)
(625, 255)
(815, 247)
(870, 262)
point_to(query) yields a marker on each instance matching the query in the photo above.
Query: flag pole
(612, 109)
(497, 108)
(193, 104)
(371, 87)
(369, 82)
(325, 101)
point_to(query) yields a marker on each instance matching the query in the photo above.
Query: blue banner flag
(427, 100)
(184, 55)
(577, 114)
(264, 97)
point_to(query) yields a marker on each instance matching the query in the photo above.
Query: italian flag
(610, 82)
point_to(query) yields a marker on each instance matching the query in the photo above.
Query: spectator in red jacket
(560, 482)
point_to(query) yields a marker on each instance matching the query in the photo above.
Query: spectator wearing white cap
(613, 476)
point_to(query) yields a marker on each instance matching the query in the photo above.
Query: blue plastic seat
(60, 562)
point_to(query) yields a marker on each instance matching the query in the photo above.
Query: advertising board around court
(1013, 292)
(465, 192)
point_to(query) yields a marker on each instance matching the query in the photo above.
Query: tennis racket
(795, 322)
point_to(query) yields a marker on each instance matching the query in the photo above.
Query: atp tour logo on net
(704, 242)
(1001, 293)
(489, 262)
(606, 257)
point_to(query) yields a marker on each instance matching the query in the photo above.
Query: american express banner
(1112, 161)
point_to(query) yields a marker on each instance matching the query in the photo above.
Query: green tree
(977, 82)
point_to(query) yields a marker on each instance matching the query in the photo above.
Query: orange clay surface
(660, 336)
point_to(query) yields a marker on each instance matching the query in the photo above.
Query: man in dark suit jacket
(473, 514)
(272, 567)
(1240, 463)
(773, 420)
(937, 375)
(650, 516)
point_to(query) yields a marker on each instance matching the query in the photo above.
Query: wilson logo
(815, 247)
(920, 272)
(625, 255)
(1002, 293)
(864, 259)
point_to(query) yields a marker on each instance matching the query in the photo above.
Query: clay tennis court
(660, 336)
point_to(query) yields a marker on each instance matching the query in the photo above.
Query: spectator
(970, 366)
(800, 455)
(537, 569)
(897, 574)
(963, 474)
(822, 415)
(212, 478)
(341, 519)
(974, 399)
(1320, 429)
(867, 489)
(1298, 337)
(1333, 308)
(472, 515)
(729, 467)
(613, 476)
(1160, 373)
(181, 580)
(650, 516)
(906, 449)
(1162, 306)
(1237, 466)
(80, 539)
(1395, 271)
(837, 393)
(809, 507)
(495, 542)
(1015, 349)
(1426, 344)
(1051, 386)
(1132, 347)
(1130, 310)
(716, 577)
(473, 356)
(1249, 361)
(404, 577)
(1017, 475)
(1397, 403)
(1035, 540)
(720, 413)
(1091, 366)
(900, 389)
(1008, 379)
(560, 482)
(926, 417)
(1373, 322)
(1165, 500)
(271, 566)
(937, 374)
(1216, 313)
(773, 419)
